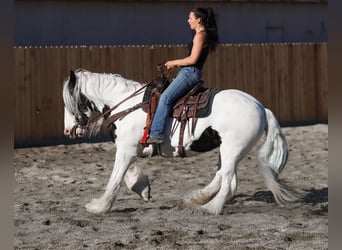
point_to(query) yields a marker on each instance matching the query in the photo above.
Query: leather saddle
(195, 104)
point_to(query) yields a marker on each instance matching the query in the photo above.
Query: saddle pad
(205, 96)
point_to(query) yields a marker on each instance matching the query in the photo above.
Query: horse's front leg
(124, 157)
(138, 182)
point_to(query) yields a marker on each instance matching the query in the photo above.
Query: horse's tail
(272, 158)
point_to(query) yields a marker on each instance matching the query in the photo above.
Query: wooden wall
(290, 79)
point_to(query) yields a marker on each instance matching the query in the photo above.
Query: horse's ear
(72, 81)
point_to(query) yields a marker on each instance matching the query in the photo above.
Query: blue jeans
(185, 80)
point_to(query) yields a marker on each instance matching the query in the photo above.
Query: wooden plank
(266, 72)
(36, 63)
(44, 99)
(146, 64)
(218, 70)
(223, 79)
(49, 86)
(248, 81)
(120, 55)
(251, 71)
(26, 105)
(231, 67)
(109, 62)
(290, 88)
(321, 70)
(61, 74)
(257, 56)
(212, 68)
(85, 57)
(135, 62)
(309, 84)
(162, 56)
(114, 58)
(21, 95)
(128, 69)
(298, 92)
(100, 56)
(284, 100)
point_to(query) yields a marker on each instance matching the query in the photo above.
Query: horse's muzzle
(80, 132)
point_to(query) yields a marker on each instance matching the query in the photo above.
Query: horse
(236, 123)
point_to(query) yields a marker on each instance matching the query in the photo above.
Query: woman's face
(193, 21)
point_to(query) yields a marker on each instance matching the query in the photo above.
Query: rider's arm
(198, 44)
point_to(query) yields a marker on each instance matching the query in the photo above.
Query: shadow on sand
(313, 196)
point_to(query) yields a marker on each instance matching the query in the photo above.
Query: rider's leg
(184, 81)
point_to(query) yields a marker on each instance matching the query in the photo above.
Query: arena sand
(52, 185)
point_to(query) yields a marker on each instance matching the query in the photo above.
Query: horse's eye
(84, 120)
(82, 107)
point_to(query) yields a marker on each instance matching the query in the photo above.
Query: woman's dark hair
(207, 17)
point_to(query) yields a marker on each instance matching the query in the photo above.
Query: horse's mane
(96, 86)
(100, 83)
(70, 99)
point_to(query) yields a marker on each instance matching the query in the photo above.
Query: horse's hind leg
(138, 182)
(204, 195)
(228, 185)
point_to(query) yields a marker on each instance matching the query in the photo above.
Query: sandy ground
(52, 185)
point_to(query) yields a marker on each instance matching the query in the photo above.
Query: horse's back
(239, 94)
(237, 99)
(235, 110)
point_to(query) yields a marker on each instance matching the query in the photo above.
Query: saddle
(195, 104)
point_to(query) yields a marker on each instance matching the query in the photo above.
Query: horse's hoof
(145, 194)
(211, 208)
(95, 207)
(190, 208)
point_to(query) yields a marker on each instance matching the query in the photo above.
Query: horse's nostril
(66, 131)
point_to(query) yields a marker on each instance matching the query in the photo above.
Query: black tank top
(203, 56)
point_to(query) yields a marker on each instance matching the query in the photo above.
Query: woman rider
(202, 22)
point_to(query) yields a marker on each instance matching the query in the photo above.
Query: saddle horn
(161, 68)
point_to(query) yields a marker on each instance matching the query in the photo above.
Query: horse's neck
(110, 89)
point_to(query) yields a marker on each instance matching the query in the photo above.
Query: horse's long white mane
(101, 88)
(99, 83)
(70, 100)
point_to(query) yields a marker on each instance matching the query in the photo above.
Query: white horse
(237, 121)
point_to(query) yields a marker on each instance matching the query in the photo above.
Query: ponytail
(208, 19)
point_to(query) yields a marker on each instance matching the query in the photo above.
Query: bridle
(82, 121)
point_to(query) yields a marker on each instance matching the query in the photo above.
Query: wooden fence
(290, 79)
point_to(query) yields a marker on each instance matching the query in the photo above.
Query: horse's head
(79, 110)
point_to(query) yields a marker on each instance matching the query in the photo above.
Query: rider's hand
(170, 64)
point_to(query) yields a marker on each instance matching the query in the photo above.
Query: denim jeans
(185, 80)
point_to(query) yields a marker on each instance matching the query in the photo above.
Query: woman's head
(205, 17)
